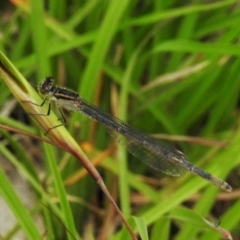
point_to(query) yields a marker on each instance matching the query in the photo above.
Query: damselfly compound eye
(45, 87)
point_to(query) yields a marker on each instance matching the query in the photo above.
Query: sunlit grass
(163, 67)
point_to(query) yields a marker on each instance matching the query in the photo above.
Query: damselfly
(148, 149)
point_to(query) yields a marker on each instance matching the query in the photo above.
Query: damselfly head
(45, 87)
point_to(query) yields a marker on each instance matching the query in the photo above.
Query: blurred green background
(167, 68)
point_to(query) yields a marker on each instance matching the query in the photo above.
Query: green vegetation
(164, 67)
